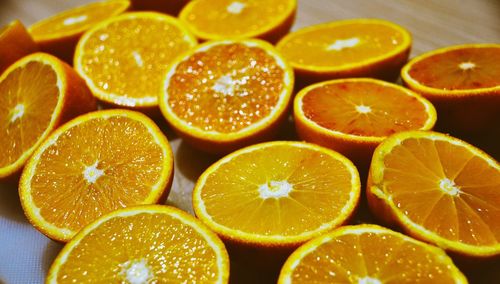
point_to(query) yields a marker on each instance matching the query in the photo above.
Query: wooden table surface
(433, 24)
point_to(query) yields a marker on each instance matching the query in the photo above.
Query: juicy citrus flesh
(364, 108)
(226, 88)
(369, 254)
(123, 59)
(92, 167)
(235, 18)
(150, 245)
(77, 20)
(444, 187)
(29, 94)
(342, 44)
(464, 68)
(303, 189)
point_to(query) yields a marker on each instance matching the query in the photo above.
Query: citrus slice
(353, 116)
(438, 189)
(59, 34)
(94, 164)
(15, 42)
(458, 80)
(37, 93)
(172, 7)
(224, 95)
(368, 254)
(124, 59)
(143, 244)
(348, 48)
(222, 19)
(277, 194)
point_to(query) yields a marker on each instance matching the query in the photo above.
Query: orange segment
(459, 79)
(59, 34)
(37, 93)
(368, 254)
(145, 244)
(302, 191)
(108, 160)
(227, 94)
(349, 48)
(15, 42)
(222, 19)
(439, 189)
(354, 115)
(124, 59)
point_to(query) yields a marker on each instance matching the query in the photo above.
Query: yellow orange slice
(94, 164)
(277, 194)
(222, 19)
(438, 189)
(224, 95)
(59, 34)
(37, 94)
(348, 48)
(368, 254)
(462, 81)
(15, 42)
(353, 116)
(124, 59)
(143, 244)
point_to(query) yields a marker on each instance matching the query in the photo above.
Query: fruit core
(75, 20)
(235, 7)
(467, 65)
(449, 187)
(92, 173)
(17, 112)
(340, 44)
(275, 189)
(136, 272)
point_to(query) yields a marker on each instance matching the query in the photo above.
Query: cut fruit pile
(93, 179)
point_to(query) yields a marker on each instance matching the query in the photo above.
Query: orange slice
(353, 116)
(172, 7)
(463, 79)
(222, 19)
(368, 254)
(15, 42)
(59, 34)
(349, 48)
(277, 194)
(144, 244)
(124, 59)
(94, 164)
(224, 95)
(37, 93)
(438, 189)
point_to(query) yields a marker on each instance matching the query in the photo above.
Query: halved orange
(223, 19)
(143, 244)
(94, 164)
(277, 195)
(353, 116)
(348, 48)
(37, 94)
(224, 95)
(172, 7)
(463, 82)
(124, 59)
(368, 254)
(59, 34)
(15, 42)
(438, 189)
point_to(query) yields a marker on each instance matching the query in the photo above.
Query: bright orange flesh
(77, 20)
(29, 95)
(339, 45)
(108, 161)
(219, 19)
(124, 60)
(165, 244)
(302, 191)
(459, 69)
(364, 108)
(368, 254)
(15, 43)
(445, 186)
(198, 94)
